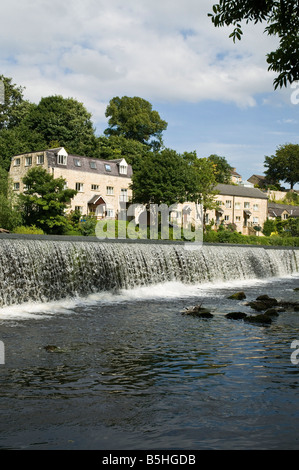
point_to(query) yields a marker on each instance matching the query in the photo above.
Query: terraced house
(102, 185)
(243, 207)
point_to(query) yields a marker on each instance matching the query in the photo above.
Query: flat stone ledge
(66, 238)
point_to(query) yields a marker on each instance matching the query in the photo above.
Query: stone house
(102, 185)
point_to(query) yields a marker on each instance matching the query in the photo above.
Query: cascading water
(44, 270)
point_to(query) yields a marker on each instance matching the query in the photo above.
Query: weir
(43, 270)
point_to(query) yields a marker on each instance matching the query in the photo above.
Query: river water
(132, 372)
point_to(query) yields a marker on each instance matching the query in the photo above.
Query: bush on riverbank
(238, 238)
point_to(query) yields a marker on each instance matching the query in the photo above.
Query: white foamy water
(161, 291)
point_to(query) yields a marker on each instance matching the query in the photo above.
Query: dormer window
(77, 162)
(61, 159)
(107, 167)
(123, 169)
(62, 156)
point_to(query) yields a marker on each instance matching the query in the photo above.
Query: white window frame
(61, 159)
(17, 162)
(40, 160)
(94, 187)
(237, 206)
(226, 218)
(228, 204)
(79, 187)
(110, 191)
(255, 207)
(110, 213)
(246, 205)
(28, 161)
(16, 186)
(123, 169)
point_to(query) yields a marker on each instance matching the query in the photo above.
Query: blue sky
(216, 96)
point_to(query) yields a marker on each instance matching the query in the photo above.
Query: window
(246, 205)
(110, 190)
(40, 160)
(110, 212)
(237, 205)
(285, 216)
(28, 161)
(17, 162)
(124, 195)
(94, 187)
(228, 204)
(238, 218)
(79, 209)
(255, 220)
(77, 162)
(61, 159)
(226, 218)
(16, 186)
(79, 187)
(93, 165)
(255, 207)
(123, 169)
(107, 167)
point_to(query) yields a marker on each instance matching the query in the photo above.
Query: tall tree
(64, 120)
(10, 216)
(284, 165)
(221, 168)
(45, 200)
(161, 178)
(203, 181)
(134, 118)
(14, 108)
(282, 19)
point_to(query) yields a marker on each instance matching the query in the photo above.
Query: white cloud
(159, 50)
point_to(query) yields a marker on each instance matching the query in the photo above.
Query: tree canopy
(134, 119)
(282, 19)
(284, 165)
(65, 121)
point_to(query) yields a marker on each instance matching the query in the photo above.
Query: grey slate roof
(242, 191)
(85, 164)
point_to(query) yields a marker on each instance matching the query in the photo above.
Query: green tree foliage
(63, 120)
(10, 216)
(269, 227)
(161, 178)
(114, 147)
(14, 108)
(284, 165)
(45, 200)
(134, 118)
(202, 184)
(221, 168)
(282, 19)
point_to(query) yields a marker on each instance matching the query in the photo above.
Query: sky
(216, 96)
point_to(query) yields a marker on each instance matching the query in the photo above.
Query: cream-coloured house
(103, 185)
(243, 207)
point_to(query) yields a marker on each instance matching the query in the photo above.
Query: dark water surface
(133, 373)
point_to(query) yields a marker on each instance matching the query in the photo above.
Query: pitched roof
(100, 165)
(241, 191)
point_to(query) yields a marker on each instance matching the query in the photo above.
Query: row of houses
(103, 186)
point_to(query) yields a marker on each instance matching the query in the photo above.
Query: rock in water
(238, 296)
